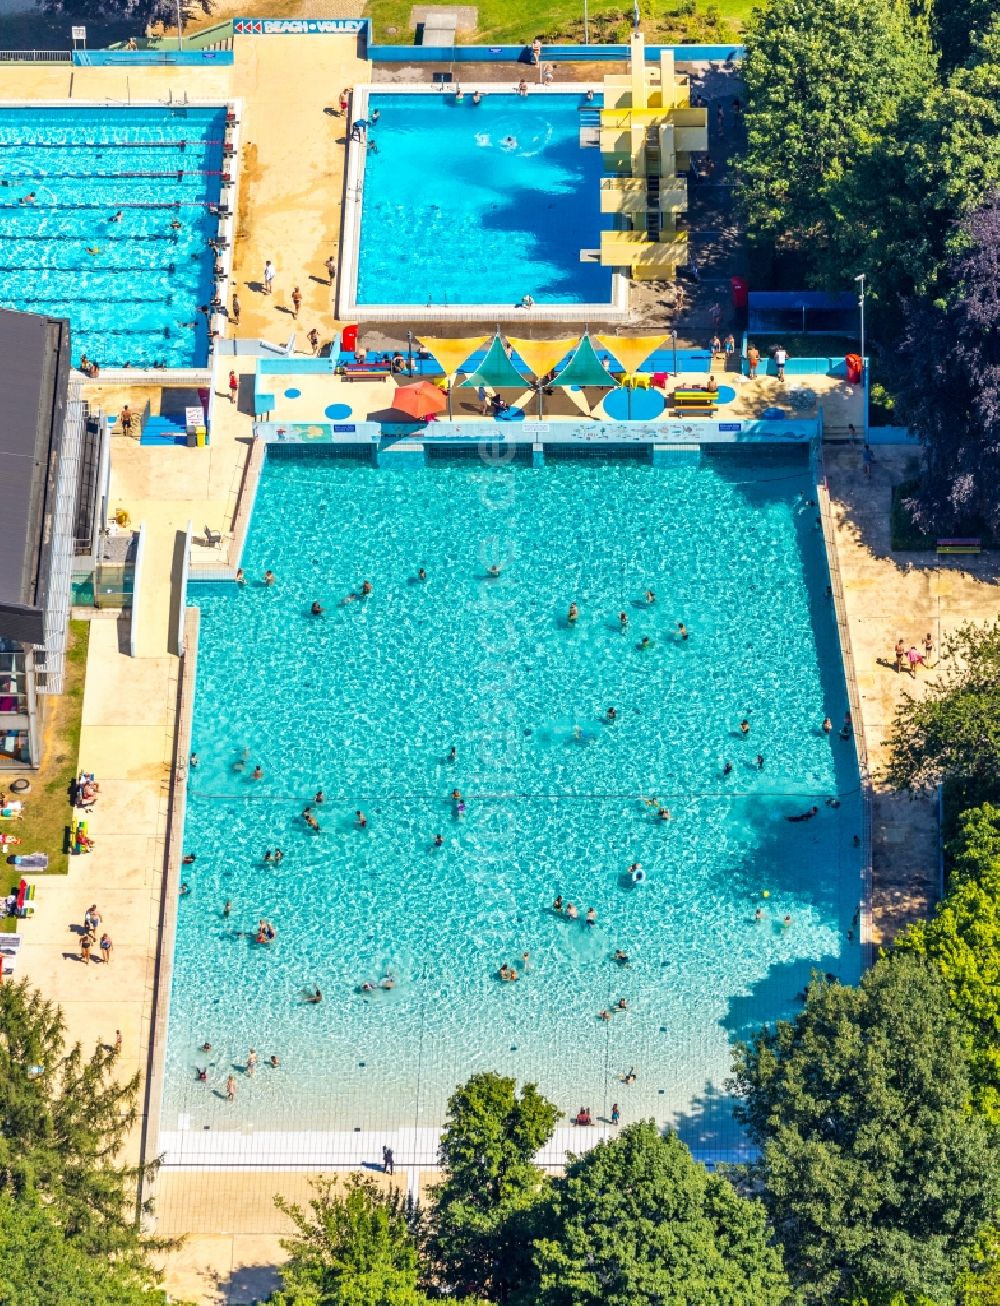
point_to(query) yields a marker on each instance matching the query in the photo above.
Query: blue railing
(151, 58)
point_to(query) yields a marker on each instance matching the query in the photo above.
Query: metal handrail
(36, 56)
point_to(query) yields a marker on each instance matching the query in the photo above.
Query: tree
(637, 1220)
(897, 208)
(355, 1249)
(824, 84)
(40, 1267)
(953, 732)
(64, 1118)
(877, 1176)
(948, 385)
(962, 942)
(955, 25)
(491, 1185)
(142, 12)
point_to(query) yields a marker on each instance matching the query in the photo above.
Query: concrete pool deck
(800, 397)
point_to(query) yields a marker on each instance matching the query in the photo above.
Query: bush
(905, 534)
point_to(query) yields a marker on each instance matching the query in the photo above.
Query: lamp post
(673, 343)
(860, 279)
(409, 352)
(586, 24)
(180, 27)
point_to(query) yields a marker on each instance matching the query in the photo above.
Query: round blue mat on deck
(336, 411)
(511, 415)
(726, 394)
(292, 393)
(646, 404)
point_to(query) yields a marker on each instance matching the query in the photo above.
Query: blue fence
(362, 27)
(151, 58)
(550, 53)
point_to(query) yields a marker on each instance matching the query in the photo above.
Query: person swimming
(316, 610)
(727, 769)
(573, 614)
(612, 714)
(509, 143)
(621, 957)
(650, 597)
(313, 998)
(571, 911)
(591, 916)
(439, 841)
(804, 816)
(623, 620)
(682, 630)
(421, 574)
(558, 904)
(360, 820)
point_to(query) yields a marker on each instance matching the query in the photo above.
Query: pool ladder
(653, 217)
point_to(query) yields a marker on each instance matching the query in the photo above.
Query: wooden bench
(947, 547)
(366, 372)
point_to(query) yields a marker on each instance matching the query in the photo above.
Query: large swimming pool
(366, 702)
(469, 203)
(131, 288)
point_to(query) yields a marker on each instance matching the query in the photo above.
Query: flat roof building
(42, 417)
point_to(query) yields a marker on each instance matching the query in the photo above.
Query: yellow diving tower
(648, 133)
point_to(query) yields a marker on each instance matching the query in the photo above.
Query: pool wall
(219, 321)
(348, 308)
(264, 1149)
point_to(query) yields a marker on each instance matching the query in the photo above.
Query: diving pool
(365, 703)
(469, 203)
(131, 288)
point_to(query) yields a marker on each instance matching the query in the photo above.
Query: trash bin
(739, 289)
(854, 365)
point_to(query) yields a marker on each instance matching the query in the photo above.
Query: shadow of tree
(246, 1285)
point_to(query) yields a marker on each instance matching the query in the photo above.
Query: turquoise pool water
(135, 299)
(474, 204)
(366, 701)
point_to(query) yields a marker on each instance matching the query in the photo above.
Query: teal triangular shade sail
(497, 370)
(584, 368)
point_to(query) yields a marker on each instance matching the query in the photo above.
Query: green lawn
(514, 22)
(47, 812)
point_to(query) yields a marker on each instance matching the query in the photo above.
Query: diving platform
(647, 132)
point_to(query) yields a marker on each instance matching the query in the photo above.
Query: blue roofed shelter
(806, 312)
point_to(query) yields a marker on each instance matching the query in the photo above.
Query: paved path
(891, 596)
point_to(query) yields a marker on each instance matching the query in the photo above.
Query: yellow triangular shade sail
(451, 353)
(541, 356)
(631, 350)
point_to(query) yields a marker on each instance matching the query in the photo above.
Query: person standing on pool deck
(270, 272)
(331, 268)
(234, 387)
(231, 1089)
(780, 359)
(234, 316)
(296, 303)
(753, 358)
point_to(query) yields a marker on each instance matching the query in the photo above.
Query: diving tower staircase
(648, 132)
